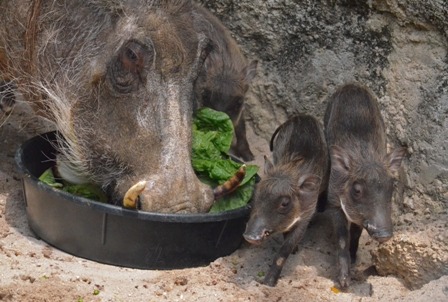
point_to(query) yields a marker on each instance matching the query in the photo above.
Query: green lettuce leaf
(84, 190)
(216, 128)
(212, 138)
(48, 178)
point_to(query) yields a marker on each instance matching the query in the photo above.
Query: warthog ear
(267, 165)
(340, 159)
(251, 71)
(394, 159)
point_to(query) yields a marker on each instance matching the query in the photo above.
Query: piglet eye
(357, 190)
(284, 205)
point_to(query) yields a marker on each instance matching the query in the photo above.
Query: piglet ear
(309, 183)
(340, 160)
(394, 159)
(309, 186)
(251, 71)
(267, 165)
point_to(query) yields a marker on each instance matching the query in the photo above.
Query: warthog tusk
(230, 185)
(131, 196)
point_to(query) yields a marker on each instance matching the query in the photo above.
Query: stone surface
(416, 256)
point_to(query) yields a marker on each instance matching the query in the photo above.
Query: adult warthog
(116, 77)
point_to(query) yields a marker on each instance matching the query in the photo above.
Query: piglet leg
(355, 233)
(292, 239)
(341, 225)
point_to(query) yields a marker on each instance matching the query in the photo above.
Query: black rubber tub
(113, 235)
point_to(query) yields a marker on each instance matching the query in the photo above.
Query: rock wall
(399, 48)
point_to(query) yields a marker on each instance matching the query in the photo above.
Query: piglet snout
(379, 234)
(256, 238)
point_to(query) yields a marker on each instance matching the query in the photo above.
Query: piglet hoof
(344, 280)
(270, 280)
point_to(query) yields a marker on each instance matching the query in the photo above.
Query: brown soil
(31, 270)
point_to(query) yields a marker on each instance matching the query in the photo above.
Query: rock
(415, 257)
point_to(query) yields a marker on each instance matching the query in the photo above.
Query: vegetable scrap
(230, 185)
(90, 191)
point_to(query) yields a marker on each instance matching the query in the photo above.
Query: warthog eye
(357, 190)
(284, 205)
(128, 70)
(131, 55)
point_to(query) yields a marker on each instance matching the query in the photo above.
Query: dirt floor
(31, 270)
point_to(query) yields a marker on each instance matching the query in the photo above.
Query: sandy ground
(31, 270)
